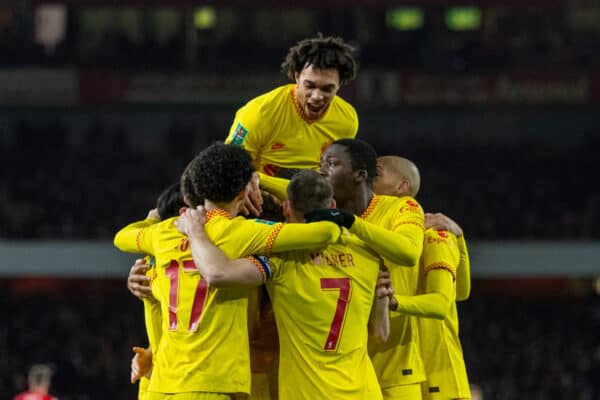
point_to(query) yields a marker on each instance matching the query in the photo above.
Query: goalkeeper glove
(336, 215)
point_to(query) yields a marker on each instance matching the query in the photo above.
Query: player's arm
(379, 320)
(130, 238)
(439, 221)
(435, 303)
(439, 260)
(402, 245)
(463, 272)
(275, 186)
(214, 265)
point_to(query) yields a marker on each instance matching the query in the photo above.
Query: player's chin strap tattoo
(336, 215)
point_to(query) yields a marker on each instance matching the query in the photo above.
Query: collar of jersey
(370, 207)
(217, 212)
(301, 112)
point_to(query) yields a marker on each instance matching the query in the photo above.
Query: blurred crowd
(509, 39)
(515, 348)
(55, 187)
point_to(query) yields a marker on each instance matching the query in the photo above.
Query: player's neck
(232, 208)
(359, 203)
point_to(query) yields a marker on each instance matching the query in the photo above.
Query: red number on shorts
(199, 297)
(344, 285)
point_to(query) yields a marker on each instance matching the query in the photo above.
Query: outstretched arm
(214, 265)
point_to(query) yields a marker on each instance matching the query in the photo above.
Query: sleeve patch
(239, 135)
(265, 221)
(263, 265)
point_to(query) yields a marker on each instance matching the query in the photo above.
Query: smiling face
(315, 88)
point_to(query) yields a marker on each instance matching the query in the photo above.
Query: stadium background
(496, 101)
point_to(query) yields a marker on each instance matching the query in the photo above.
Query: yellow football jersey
(322, 302)
(272, 129)
(439, 340)
(398, 361)
(204, 345)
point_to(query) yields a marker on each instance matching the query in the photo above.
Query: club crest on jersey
(265, 221)
(239, 134)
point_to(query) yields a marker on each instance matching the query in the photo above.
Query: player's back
(322, 302)
(34, 396)
(204, 345)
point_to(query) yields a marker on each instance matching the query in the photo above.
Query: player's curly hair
(308, 191)
(218, 173)
(322, 53)
(362, 155)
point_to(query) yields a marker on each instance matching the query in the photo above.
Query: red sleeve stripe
(271, 239)
(441, 265)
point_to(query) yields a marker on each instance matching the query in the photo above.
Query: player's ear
(182, 210)
(296, 76)
(187, 201)
(360, 175)
(333, 204)
(402, 188)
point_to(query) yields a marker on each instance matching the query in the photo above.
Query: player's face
(315, 89)
(336, 167)
(384, 183)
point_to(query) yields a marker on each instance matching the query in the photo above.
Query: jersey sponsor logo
(239, 135)
(436, 240)
(407, 372)
(277, 146)
(412, 203)
(442, 233)
(434, 389)
(265, 221)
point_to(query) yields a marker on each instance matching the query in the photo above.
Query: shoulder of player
(345, 109)
(270, 99)
(402, 204)
(440, 236)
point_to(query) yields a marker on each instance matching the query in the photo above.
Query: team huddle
(361, 285)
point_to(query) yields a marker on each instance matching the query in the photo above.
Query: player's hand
(191, 222)
(137, 281)
(439, 221)
(153, 214)
(384, 288)
(336, 215)
(141, 364)
(254, 200)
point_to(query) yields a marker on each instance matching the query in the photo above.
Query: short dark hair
(308, 190)
(170, 201)
(322, 53)
(362, 155)
(218, 173)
